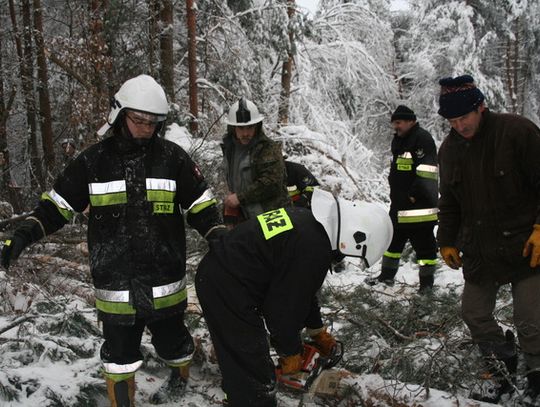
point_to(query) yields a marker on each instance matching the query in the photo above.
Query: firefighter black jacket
(281, 259)
(490, 196)
(136, 238)
(413, 173)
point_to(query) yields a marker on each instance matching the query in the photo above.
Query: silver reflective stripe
(406, 154)
(112, 296)
(61, 202)
(292, 188)
(206, 196)
(161, 184)
(169, 289)
(121, 369)
(418, 212)
(427, 168)
(100, 188)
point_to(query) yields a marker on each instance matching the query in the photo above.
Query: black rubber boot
(173, 388)
(426, 273)
(501, 363)
(389, 269)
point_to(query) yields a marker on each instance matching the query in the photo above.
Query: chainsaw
(314, 363)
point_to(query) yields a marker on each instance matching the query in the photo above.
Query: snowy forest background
(326, 83)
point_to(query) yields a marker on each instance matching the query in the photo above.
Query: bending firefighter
(253, 279)
(137, 185)
(413, 195)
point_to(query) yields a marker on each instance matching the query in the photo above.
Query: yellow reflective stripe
(203, 205)
(417, 215)
(163, 184)
(206, 196)
(427, 262)
(309, 189)
(122, 308)
(61, 204)
(7, 243)
(406, 161)
(294, 193)
(108, 199)
(160, 196)
(170, 300)
(427, 171)
(392, 255)
(118, 377)
(274, 222)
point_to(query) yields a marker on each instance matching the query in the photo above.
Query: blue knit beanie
(459, 96)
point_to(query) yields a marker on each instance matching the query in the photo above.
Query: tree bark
(286, 71)
(153, 34)
(166, 48)
(26, 69)
(45, 116)
(192, 66)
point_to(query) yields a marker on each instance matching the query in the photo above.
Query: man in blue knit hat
(489, 224)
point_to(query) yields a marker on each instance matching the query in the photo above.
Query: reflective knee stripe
(160, 189)
(118, 373)
(61, 204)
(417, 215)
(114, 302)
(427, 262)
(107, 193)
(427, 171)
(170, 294)
(204, 201)
(180, 362)
(117, 302)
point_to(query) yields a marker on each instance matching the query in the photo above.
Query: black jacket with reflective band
(413, 173)
(136, 234)
(281, 259)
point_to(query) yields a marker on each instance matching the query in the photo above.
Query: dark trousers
(478, 304)
(239, 336)
(421, 237)
(170, 338)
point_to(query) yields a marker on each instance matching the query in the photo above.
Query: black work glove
(29, 232)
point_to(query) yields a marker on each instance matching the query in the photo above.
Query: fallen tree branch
(15, 323)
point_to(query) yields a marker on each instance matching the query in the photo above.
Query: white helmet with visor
(141, 94)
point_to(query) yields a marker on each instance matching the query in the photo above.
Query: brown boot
(122, 393)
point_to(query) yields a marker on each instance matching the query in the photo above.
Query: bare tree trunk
(192, 66)
(166, 48)
(45, 116)
(26, 68)
(102, 65)
(153, 30)
(286, 71)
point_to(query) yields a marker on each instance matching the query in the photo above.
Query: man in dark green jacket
(413, 195)
(489, 224)
(254, 166)
(137, 187)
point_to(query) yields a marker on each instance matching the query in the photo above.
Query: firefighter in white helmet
(254, 166)
(253, 279)
(138, 186)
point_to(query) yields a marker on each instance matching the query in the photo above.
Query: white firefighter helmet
(243, 113)
(357, 229)
(141, 93)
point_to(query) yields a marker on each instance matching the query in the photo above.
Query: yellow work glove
(451, 257)
(532, 247)
(291, 364)
(325, 342)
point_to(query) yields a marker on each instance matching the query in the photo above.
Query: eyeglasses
(137, 121)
